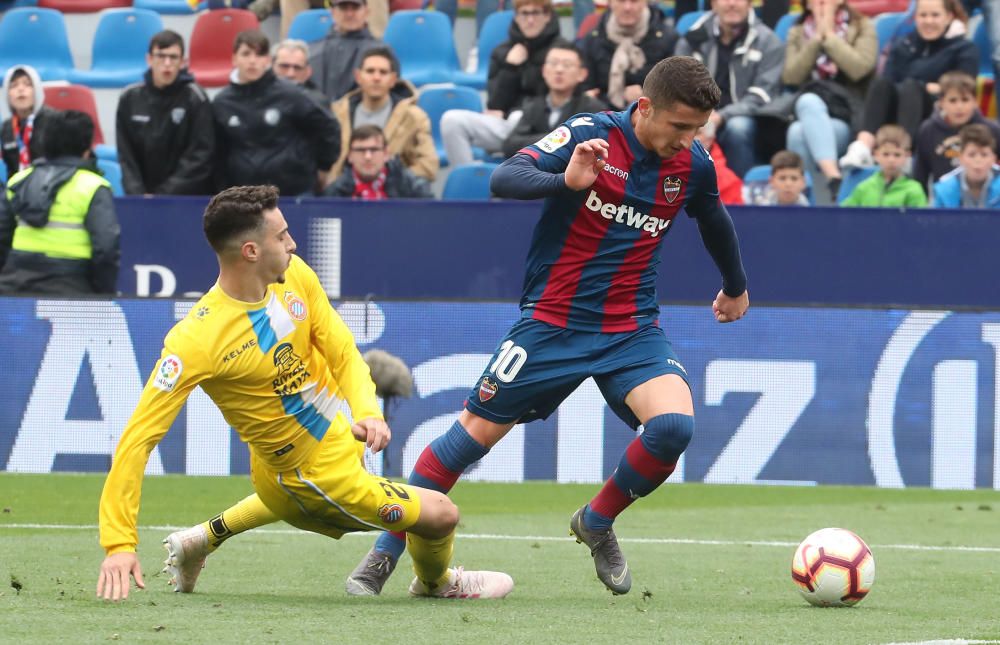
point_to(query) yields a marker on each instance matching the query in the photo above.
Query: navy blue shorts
(537, 365)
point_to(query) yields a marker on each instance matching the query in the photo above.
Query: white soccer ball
(833, 568)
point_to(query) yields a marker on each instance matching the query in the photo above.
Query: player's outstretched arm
(520, 177)
(117, 570)
(719, 236)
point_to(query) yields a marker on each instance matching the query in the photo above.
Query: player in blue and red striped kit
(613, 184)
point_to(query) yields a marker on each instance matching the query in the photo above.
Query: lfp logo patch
(391, 513)
(296, 307)
(487, 389)
(555, 139)
(671, 188)
(168, 372)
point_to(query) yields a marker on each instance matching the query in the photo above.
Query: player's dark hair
(785, 159)
(893, 135)
(681, 79)
(382, 51)
(164, 39)
(367, 131)
(957, 82)
(977, 134)
(255, 39)
(235, 212)
(67, 134)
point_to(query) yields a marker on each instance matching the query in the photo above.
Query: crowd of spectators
(337, 118)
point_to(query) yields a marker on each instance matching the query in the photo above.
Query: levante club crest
(671, 188)
(487, 389)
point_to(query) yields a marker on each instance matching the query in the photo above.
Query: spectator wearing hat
(338, 55)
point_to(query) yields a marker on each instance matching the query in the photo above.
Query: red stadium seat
(588, 23)
(872, 8)
(75, 97)
(212, 44)
(83, 6)
(404, 5)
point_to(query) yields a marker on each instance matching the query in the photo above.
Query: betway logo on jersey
(627, 215)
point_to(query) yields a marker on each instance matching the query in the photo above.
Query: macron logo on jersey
(622, 214)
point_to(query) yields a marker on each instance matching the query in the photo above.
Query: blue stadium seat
(755, 184)
(495, 31)
(435, 101)
(785, 24)
(469, 181)
(113, 173)
(891, 25)
(851, 180)
(311, 25)
(982, 40)
(120, 45)
(688, 19)
(35, 37)
(409, 33)
(169, 7)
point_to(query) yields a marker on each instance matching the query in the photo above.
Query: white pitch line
(540, 538)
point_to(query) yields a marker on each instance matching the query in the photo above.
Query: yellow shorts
(332, 494)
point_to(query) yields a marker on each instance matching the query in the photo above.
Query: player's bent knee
(438, 516)
(667, 436)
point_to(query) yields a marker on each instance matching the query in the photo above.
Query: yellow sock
(431, 558)
(247, 514)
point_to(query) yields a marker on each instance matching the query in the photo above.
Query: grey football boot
(370, 575)
(612, 569)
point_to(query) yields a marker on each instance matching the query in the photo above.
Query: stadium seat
(113, 173)
(982, 40)
(212, 44)
(409, 32)
(74, 97)
(120, 45)
(890, 25)
(168, 7)
(435, 101)
(494, 32)
(852, 179)
(587, 24)
(755, 184)
(688, 19)
(35, 37)
(873, 8)
(469, 181)
(403, 5)
(311, 25)
(83, 6)
(785, 24)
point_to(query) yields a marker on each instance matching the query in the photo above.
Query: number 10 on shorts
(509, 361)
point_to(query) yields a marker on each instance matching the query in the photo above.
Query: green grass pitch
(710, 565)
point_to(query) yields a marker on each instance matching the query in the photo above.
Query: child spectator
(787, 184)
(371, 173)
(976, 181)
(938, 146)
(21, 133)
(889, 186)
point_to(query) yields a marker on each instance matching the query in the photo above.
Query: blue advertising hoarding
(796, 395)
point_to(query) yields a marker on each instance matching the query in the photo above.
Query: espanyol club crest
(487, 389)
(671, 188)
(390, 513)
(296, 308)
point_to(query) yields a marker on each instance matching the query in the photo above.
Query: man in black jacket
(268, 130)
(515, 74)
(372, 174)
(563, 73)
(630, 38)
(164, 126)
(58, 228)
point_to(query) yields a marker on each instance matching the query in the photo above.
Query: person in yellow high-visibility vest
(58, 228)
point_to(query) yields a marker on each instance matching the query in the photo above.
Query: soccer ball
(833, 568)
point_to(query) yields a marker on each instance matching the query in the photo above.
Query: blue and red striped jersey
(594, 254)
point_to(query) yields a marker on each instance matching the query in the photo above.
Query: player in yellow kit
(277, 360)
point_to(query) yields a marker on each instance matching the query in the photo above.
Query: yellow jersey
(278, 370)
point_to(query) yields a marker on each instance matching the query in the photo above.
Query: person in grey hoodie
(338, 55)
(746, 58)
(20, 135)
(59, 234)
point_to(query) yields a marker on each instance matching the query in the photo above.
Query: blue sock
(595, 521)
